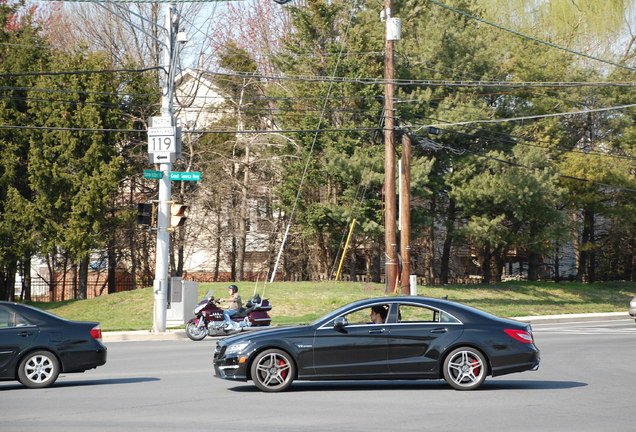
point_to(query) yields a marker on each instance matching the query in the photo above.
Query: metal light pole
(160, 285)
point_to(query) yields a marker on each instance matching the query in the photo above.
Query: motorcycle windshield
(209, 294)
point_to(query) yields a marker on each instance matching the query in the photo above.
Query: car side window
(9, 318)
(367, 315)
(361, 316)
(6, 319)
(417, 314)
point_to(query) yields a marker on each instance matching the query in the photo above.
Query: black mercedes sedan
(382, 338)
(36, 346)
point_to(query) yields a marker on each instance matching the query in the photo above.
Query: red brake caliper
(476, 369)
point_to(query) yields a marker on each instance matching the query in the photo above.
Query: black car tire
(195, 333)
(465, 368)
(273, 370)
(38, 369)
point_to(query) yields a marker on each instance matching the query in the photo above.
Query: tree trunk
(352, 264)
(500, 263)
(112, 268)
(7, 281)
(448, 241)
(376, 265)
(591, 261)
(557, 263)
(243, 215)
(26, 279)
(586, 268)
(485, 265)
(533, 266)
(82, 292)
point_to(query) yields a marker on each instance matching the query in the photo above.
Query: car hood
(278, 332)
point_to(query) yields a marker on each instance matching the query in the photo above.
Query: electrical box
(183, 296)
(393, 29)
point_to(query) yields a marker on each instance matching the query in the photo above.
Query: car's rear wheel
(273, 370)
(38, 369)
(465, 368)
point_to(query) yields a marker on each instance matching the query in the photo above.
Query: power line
(82, 92)
(202, 132)
(51, 128)
(550, 44)
(511, 140)
(74, 102)
(531, 117)
(60, 73)
(430, 144)
(431, 83)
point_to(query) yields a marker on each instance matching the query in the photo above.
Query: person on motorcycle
(235, 304)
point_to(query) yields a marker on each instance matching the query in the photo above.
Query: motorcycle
(209, 321)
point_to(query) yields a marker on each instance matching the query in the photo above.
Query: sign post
(162, 149)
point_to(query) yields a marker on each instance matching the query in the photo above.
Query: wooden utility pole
(390, 238)
(405, 213)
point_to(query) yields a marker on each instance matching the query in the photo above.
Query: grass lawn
(302, 302)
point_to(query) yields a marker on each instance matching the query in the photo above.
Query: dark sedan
(382, 338)
(36, 346)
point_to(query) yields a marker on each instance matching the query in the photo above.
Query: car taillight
(520, 335)
(96, 332)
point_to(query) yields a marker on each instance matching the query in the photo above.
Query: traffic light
(178, 214)
(146, 214)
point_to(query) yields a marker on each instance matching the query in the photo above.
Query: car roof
(459, 310)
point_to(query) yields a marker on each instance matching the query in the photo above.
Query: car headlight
(237, 348)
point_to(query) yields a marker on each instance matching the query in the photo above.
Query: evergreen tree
(22, 50)
(343, 177)
(74, 167)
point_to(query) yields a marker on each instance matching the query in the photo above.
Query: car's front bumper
(231, 367)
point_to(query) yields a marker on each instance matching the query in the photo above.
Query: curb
(569, 318)
(179, 334)
(143, 335)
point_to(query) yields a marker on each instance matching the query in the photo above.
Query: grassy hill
(301, 302)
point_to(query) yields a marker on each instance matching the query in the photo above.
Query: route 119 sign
(163, 140)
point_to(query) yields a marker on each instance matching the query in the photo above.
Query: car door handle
(377, 331)
(439, 330)
(25, 333)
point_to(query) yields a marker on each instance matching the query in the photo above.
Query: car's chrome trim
(457, 321)
(228, 367)
(431, 323)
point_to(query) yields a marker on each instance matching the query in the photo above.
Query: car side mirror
(340, 323)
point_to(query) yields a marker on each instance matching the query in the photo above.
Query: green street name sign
(153, 175)
(183, 176)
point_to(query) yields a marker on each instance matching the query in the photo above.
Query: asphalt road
(586, 382)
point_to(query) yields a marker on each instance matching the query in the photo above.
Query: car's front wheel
(38, 369)
(273, 370)
(465, 368)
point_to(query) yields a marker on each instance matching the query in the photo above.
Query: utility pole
(390, 238)
(165, 154)
(405, 213)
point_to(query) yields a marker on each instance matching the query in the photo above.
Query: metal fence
(43, 290)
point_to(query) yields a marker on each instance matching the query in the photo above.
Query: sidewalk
(176, 334)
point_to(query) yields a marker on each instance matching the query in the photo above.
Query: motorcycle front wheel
(194, 332)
